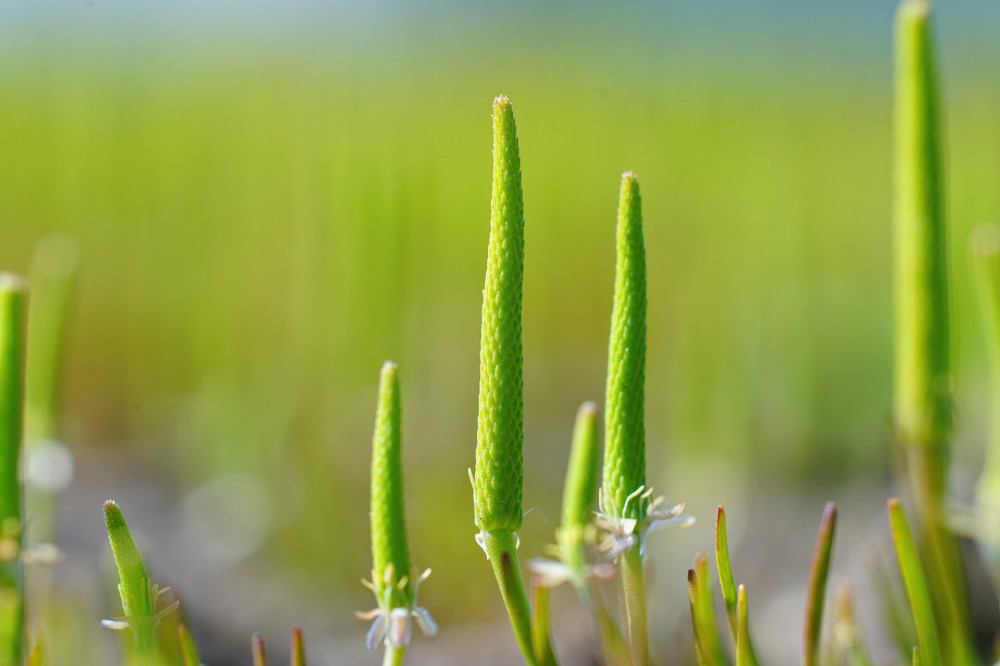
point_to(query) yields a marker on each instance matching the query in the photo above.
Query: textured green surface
(499, 465)
(389, 546)
(624, 411)
(923, 382)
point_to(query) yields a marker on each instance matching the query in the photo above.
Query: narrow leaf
(298, 647)
(726, 580)
(817, 584)
(541, 629)
(189, 651)
(708, 645)
(916, 585)
(258, 650)
(745, 654)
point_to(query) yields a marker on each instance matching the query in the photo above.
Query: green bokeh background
(272, 200)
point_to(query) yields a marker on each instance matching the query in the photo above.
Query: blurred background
(272, 197)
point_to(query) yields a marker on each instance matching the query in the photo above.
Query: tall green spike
(389, 545)
(624, 425)
(499, 470)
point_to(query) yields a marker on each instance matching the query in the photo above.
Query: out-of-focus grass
(258, 233)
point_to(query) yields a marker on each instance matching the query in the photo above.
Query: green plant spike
(392, 582)
(258, 650)
(298, 648)
(189, 651)
(745, 654)
(923, 404)
(726, 580)
(37, 655)
(708, 645)
(817, 585)
(624, 409)
(915, 582)
(139, 596)
(624, 427)
(499, 477)
(12, 306)
(986, 249)
(541, 630)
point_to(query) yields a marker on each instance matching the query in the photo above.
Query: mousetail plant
(392, 583)
(139, 596)
(499, 477)
(923, 407)
(627, 508)
(12, 309)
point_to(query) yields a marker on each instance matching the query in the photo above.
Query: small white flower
(623, 533)
(392, 626)
(122, 623)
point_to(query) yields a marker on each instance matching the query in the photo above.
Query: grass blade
(847, 636)
(817, 584)
(726, 580)
(745, 654)
(708, 645)
(541, 630)
(915, 582)
(189, 651)
(298, 648)
(258, 650)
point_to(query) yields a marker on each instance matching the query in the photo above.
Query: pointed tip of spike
(893, 504)
(915, 8)
(389, 368)
(12, 282)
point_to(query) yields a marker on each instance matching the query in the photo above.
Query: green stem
(541, 631)
(635, 606)
(393, 655)
(501, 549)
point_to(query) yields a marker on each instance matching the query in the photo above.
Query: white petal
(627, 525)
(115, 624)
(677, 522)
(425, 622)
(550, 573)
(622, 545)
(399, 627)
(377, 633)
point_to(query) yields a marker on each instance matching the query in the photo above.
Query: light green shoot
(138, 594)
(12, 307)
(745, 654)
(499, 476)
(848, 642)
(392, 582)
(726, 579)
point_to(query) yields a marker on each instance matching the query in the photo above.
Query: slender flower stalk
(922, 369)
(48, 461)
(986, 246)
(392, 583)
(138, 594)
(499, 476)
(12, 306)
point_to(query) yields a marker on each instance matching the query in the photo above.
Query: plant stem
(542, 628)
(502, 551)
(393, 655)
(635, 606)
(12, 306)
